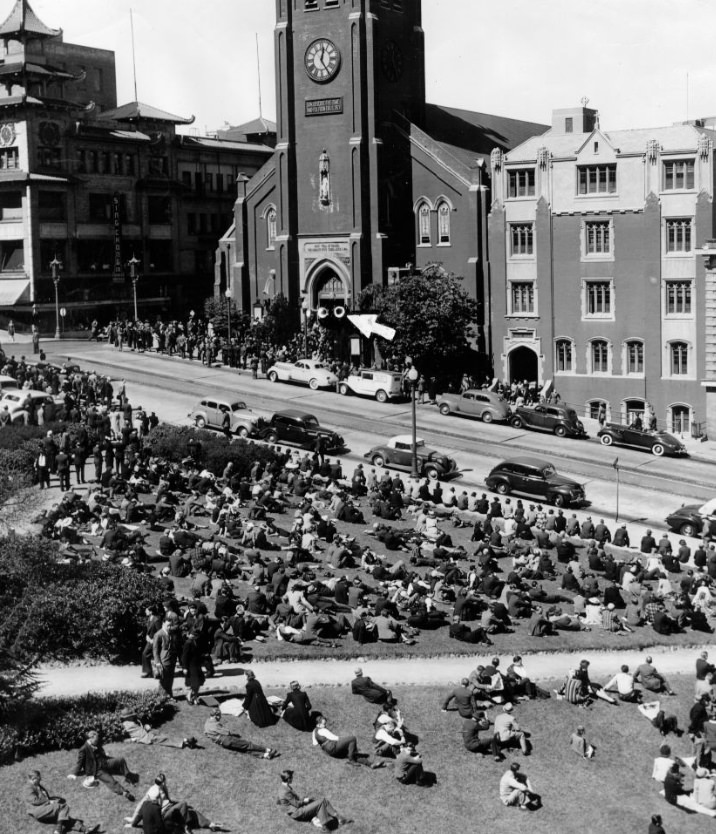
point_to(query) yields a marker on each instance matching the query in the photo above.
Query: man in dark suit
(51, 809)
(92, 761)
(152, 820)
(372, 692)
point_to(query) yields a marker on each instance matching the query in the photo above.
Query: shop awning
(12, 290)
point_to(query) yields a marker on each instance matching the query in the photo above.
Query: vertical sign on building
(118, 271)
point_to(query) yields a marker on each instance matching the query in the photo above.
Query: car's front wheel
(381, 396)
(200, 422)
(560, 431)
(313, 384)
(503, 488)
(444, 409)
(273, 376)
(378, 460)
(559, 500)
(688, 529)
(487, 417)
(657, 449)
(432, 473)
(606, 440)
(343, 389)
(272, 437)
(516, 422)
(242, 432)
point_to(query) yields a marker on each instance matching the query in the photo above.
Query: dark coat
(257, 706)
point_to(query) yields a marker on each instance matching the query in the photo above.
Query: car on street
(8, 383)
(383, 385)
(485, 405)
(558, 419)
(537, 478)
(301, 429)
(397, 453)
(306, 371)
(209, 413)
(688, 521)
(657, 442)
(16, 399)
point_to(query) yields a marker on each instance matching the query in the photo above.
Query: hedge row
(40, 726)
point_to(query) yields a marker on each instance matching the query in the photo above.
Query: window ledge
(612, 195)
(521, 315)
(444, 245)
(592, 258)
(679, 316)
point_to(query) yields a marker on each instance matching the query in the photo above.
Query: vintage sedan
(300, 428)
(537, 478)
(210, 411)
(657, 442)
(306, 371)
(16, 400)
(689, 521)
(558, 419)
(485, 405)
(397, 453)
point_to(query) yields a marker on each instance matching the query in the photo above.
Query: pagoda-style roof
(135, 111)
(256, 127)
(22, 21)
(29, 69)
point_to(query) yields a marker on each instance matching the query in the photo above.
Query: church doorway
(523, 365)
(329, 291)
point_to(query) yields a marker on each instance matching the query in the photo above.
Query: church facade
(366, 177)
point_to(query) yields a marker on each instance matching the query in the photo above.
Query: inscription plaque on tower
(324, 106)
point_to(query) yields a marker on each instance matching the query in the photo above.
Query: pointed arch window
(424, 238)
(271, 228)
(444, 223)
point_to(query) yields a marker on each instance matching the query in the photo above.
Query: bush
(172, 444)
(62, 723)
(67, 612)
(12, 437)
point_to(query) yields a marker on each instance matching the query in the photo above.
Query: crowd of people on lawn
(274, 555)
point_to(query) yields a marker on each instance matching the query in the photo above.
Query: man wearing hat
(621, 537)
(215, 731)
(507, 731)
(372, 692)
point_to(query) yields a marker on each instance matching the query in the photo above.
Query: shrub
(17, 682)
(172, 443)
(62, 723)
(12, 437)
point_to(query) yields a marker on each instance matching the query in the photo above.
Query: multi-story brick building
(596, 279)
(366, 176)
(91, 185)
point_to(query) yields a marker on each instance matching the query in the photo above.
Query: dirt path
(76, 680)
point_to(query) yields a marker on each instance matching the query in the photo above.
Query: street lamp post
(413, 377)
(227, 293)
(133, 263)
(55, 267)
(304, 308)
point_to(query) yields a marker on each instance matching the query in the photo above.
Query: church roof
(469, 135)
(23, 20)
(136, 111)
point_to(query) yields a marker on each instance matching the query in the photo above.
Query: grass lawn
(613, 792)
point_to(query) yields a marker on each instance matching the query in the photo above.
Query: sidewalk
(434, 671)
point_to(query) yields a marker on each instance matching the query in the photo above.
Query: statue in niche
(324, 171)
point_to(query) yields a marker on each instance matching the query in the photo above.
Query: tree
(18, 682)
(281, 321)
(433, 316)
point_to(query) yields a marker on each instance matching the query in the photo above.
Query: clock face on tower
(323, 60)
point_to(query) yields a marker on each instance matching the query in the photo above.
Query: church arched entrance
(523, 365)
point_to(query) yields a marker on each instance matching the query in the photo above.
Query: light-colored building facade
(596, 278)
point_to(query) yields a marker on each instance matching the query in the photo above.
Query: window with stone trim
(679, 352)
(678, 298)
(563, 355)
(678, 174)
(522, 238)
(634, 356)
(598, 300)
(522, 298)
(443, 223)
(598, 237)
(521, 182)
(271, 228)
(596, 179)
(678, 235)
(424, 238)
(599, 355)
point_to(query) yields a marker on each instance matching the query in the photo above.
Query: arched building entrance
(522, 365)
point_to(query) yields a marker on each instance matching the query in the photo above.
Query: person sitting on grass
(650, 679)
(508, 731)
(337, 747)
(371, 691)
(409, 767)
(179, 816)
(51, 809)
(215, 731)
(96, 765)
(516, 789)
(471, 728)
(388, 739)
(580, 745)
(320, 812)
(623, 682)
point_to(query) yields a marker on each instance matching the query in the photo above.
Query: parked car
(657, 442)
(559, 419)
(383, 385)
(209, 413)
(15, 400)
(306, 371)
(300, 428)
(397, 453)
(537, 478)
(688, 521)
(8, 383)
(485, 405)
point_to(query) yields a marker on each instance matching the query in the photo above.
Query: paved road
(394, 672)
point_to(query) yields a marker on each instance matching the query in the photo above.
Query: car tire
(378, 460)
(606, 440)
(200, 423)
(313, 384)
(487, 417)
(381, 396)
(432, 473)
(502, 488)
(688, 529)
(444, 409)
(272, 437)
(516, 422)
(558, 500)
(560, 431)
(343, 389)
(273, 376)
(657, 449)
(242, 432)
